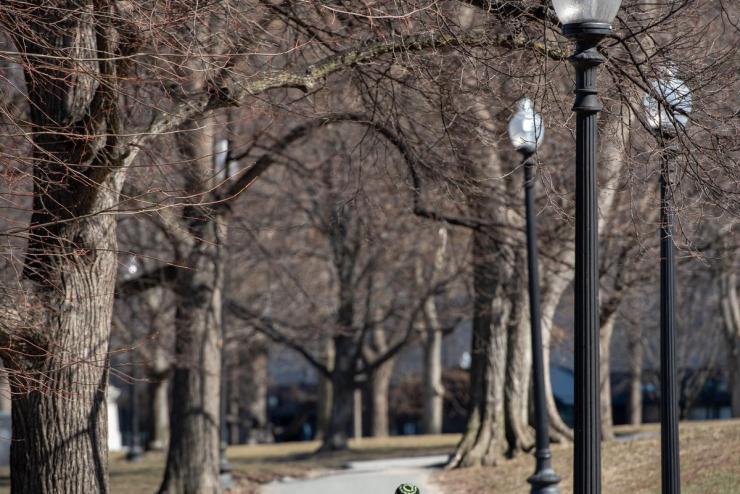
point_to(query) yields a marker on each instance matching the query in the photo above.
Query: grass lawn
(710, 463)
(254, 465)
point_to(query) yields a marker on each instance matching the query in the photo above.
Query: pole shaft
(544, 480)
(670, 464)
(587, 447)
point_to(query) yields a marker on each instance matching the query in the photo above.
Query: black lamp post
(587, 22)
(664, 119)
(526, 133)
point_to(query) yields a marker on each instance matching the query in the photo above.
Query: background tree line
(281, 170)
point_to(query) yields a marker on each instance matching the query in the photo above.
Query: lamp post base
(544, 481)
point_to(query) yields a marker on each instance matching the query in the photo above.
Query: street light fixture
(587, 22)
(526, 133)
(665, 115)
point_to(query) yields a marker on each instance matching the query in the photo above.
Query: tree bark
(5, 394)
(59, 440)
(607, 423)
(343, 386)
(193, 456)
(325, 395)
(60, 360)
(551, 297)
(483, 442)
(380, 384)
(159, 433)
(433, 388)
(519, 435)
(255, 397)
(730, 306)
(635, 384)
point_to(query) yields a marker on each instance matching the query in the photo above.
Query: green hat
(407, 489)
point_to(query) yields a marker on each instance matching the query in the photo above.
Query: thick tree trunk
(730, 306)
(607, 423)
(254, 398)
(379, 386)
(519, 435)
(483, 442)
(193, 456)
(60, 442)
(343, 386)
(636, 350)
(60, 361)
(735, 385)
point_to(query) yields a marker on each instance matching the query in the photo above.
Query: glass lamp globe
(579, 12)
(131, 267)
(674, 111)
(525, 127)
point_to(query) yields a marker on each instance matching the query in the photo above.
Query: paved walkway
(366, 477)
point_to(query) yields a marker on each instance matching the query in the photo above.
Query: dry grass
(710, 464)
(254, 465)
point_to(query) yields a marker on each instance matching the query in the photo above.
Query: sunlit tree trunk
(483, 442)
(730, 304)
(636, 351)
(193, 456)
(518, 375)
(59, 362)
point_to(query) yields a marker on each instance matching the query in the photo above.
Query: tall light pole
(587, 22)
(666, 111)
(526, 133)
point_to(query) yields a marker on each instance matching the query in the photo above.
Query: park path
(366, 477)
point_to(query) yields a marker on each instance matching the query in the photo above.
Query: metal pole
(587, 448)
(670, 463)
(544, 480)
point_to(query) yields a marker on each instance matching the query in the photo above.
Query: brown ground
(710, 464)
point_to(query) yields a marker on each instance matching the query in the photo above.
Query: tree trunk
(433, 389)
(636, 351)
(59, 440)
(193, 456)
(357, 414)
(518, 376)
(159, 433)
(60, 361)
(730, 306)
(5, 394)
(324, 405)
(255, 397)
(551, 297)
(735, 385)
(343, 386)
(380, 383)
(607, 423)
(483, 442)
